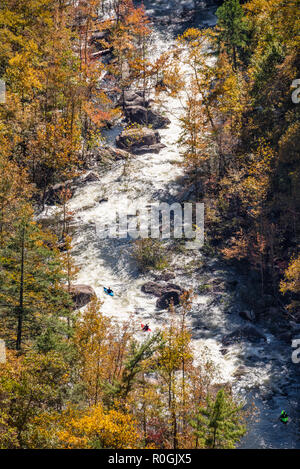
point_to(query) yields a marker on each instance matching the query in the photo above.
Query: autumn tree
(291, 282)
(92, 428)
(28, 385)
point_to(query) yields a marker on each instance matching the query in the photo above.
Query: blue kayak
(107, 292)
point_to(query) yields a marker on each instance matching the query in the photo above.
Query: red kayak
(145, 330)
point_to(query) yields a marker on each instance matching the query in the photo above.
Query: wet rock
(172, 296)
(108, 154)
(139, 140)
(165, 277)
(217, 285)
(152, 288)
(247, 332)
(248, 315)
(81, 295)
(166, 293)
(132, 98)
(145, 149)
(286, 336)
(145, 116)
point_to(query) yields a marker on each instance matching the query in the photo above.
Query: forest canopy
(75, 378)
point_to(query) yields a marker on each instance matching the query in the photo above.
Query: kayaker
(284, 417)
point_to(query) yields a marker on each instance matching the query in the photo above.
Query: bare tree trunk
(21, 298)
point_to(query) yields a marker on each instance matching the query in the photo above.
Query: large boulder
(107, 155)
(165, 276)
(248, 315)
(81, 295)
(144, 116)
(249, 333)
(133, 98)
(171, 296)
(152, 288)
(166, 293)
(139, 141)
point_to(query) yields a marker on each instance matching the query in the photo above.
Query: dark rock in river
(101, 201)
(145, 116)
(286, 336)
(108, 154)
(248, 333)
(165, 277)
(172, 296)
(140, 140)
(152, 288)
(166, 293)
(132, 98)
(247, 315)
(81, 295)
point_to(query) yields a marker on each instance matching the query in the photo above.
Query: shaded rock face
(137, 109)
(172, 296)
(134, 98)
(139, 141)
(144, 116)
(152, 288)
(81, 295)
(248, 333)
(247, 315)
(166, 293)
(286, 336)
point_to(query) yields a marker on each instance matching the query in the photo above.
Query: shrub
(150, 254)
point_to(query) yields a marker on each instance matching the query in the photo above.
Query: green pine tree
(219, 424)
(138, 353)
(232, 27)
(33, 302)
